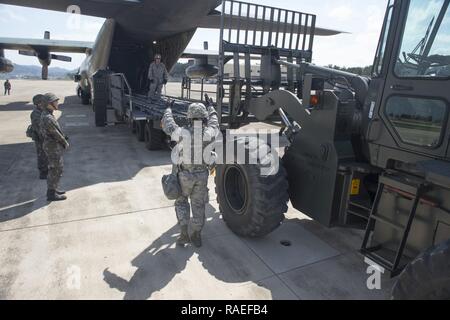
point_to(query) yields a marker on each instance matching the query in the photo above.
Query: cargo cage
(251, 32)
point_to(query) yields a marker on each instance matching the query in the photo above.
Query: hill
(34, 72)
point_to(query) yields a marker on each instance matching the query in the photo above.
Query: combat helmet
(51, 97)
(39, 99)
(197, 111)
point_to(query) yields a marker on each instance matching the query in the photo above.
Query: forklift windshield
(425, 48)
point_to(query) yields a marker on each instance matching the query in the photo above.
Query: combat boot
(184, 237)
(196, 239)
(60, 192)
(53, 196)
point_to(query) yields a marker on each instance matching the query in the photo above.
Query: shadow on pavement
(17, 106)
(96, 155)
(158, 265)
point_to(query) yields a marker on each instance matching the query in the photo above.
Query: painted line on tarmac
(76, 116)
(76, 124)
(85, 219)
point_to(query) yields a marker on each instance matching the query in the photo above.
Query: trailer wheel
(427, 277)
(253, 205)
(140, 130)
(154, 138)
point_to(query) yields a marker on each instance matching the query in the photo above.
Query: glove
(67, 138)
(211, 109)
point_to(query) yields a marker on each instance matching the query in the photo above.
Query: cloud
(341, 13)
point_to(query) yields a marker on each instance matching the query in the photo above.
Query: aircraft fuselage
(127, 43)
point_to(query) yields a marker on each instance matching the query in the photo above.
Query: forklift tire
(427, 277)
(253, 205)
(140, 131)
(154, 138)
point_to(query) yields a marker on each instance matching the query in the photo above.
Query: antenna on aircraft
(47, 35)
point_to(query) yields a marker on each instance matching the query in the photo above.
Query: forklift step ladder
(410, 189)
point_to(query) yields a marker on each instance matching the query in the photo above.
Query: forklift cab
(408, 133)
(411, 77)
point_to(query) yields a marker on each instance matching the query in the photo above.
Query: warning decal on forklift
(356, 184)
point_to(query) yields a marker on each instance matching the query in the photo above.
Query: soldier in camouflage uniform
(157, 76)
(194, 170)
(55, 143)
(40, 103)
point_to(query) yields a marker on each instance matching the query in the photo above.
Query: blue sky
(362, 18)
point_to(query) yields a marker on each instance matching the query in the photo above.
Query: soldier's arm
(169, 125)
(35, 120)
(213, 128)
(53, 130)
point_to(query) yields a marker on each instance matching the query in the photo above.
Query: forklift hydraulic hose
(359, 84)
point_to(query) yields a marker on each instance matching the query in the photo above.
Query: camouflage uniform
(159, 75)
(193, 178)
(38, 140)
(54, 145)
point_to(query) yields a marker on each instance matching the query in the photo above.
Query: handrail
(130, 92)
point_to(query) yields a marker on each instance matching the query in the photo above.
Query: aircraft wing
(113, 8)
(95, 8)
(44, 44)
(211, 55)
(213, 21)
(198, 53)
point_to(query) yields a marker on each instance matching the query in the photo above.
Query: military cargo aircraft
(135, 30)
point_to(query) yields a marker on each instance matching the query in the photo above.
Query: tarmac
(114, 238)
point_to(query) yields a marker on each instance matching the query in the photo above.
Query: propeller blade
(44, 72)
(27, 53)
(61, 58)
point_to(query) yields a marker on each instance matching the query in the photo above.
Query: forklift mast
(277, 34)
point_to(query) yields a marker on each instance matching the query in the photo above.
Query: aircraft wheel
(119, 117)
(85, 98)
(133, 126)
